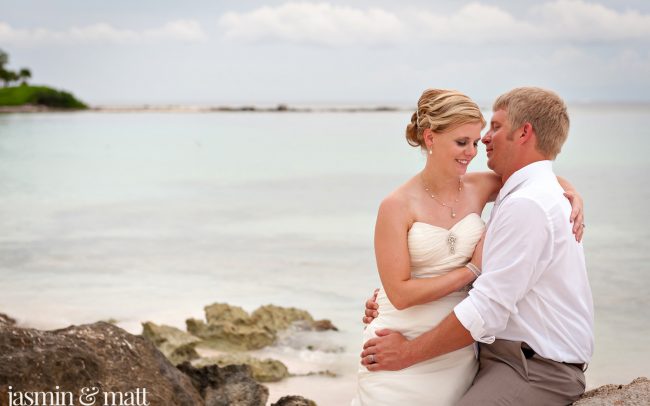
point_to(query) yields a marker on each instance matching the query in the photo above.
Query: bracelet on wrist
(475, 270)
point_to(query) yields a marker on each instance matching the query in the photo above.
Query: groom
(531, 310)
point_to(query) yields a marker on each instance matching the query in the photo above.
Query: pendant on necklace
(453, 213)
(451, 242)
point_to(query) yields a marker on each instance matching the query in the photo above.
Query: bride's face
(456, 148)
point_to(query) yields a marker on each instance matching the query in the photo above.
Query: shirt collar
(527, 172)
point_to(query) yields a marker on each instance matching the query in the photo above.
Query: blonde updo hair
(441, 110)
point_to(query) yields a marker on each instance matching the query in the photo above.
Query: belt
(529, 352)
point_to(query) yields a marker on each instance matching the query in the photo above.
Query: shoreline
(277, 108)
(177, 108)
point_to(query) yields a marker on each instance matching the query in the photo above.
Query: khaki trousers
(507, 377)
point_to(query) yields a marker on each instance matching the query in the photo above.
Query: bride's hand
(577, 217)
(371, 308)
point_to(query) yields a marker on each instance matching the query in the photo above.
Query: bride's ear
(428, 138)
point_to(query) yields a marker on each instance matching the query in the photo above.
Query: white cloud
(583, 21)
(473, 23)
(315, 23)
(325, 24)
(180, 30)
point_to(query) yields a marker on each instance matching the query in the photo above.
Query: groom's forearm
(448, 336)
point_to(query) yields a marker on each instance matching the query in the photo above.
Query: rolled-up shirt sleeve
(518, 246)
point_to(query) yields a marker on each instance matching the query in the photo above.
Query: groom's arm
(391, 351)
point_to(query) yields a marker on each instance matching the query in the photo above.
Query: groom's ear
(526, 134)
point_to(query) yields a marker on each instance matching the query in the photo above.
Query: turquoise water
(151, 216)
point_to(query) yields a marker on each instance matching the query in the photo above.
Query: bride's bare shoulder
(399, 202)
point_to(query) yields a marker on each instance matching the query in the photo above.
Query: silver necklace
(440, 202)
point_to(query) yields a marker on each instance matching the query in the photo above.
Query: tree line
(10, 76)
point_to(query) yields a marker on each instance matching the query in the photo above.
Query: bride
(426, 234)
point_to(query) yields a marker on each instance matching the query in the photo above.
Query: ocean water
(151, 216)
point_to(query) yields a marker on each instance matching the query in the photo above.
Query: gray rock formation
(294, 401)
(263, 370)
(228, 336)
(231, 328)
(6, 320)
(229, 386)
(279, 318)
(98, 355)
(177, 345)
(637, 393)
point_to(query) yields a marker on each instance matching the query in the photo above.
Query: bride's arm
(577, 207)
(393, 261)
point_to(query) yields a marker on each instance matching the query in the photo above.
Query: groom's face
(499, 142)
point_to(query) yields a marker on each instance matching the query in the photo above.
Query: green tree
(4, 59)
(23, 75)
(4, 74)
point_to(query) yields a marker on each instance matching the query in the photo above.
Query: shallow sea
(151, 216)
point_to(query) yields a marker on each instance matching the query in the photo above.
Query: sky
(328, 52)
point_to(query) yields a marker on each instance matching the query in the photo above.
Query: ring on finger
(371, 358)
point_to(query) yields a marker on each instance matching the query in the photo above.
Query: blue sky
(334, 52)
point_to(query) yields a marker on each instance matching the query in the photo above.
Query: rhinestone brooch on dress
(451, 242)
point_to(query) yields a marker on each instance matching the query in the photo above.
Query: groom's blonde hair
(544, 110)
(441, 110)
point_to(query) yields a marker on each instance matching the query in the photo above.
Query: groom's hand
(389, 351)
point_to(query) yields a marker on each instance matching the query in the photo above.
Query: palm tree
(24, 74)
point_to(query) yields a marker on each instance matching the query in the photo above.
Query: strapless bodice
(436, 250)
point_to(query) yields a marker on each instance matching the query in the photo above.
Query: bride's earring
(430, 151)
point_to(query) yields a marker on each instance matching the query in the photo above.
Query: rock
(6, 320)
(218, 313)
(231, 328)
(635, 393)
(327, 372)
(323, 325)
(227, 336)
(279, 318)
(175, 344)
(263, 370)
(97, 355)
(294, 401)
(229, 386)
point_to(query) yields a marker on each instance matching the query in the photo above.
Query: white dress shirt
(534, 286)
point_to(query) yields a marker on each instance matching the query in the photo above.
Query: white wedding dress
(442, 380)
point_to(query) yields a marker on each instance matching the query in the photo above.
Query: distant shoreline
(279, 108)
(174, 108)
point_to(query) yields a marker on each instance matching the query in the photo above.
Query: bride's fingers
(579, 226)
(371, 304)
(367, 319)
(570, 196)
